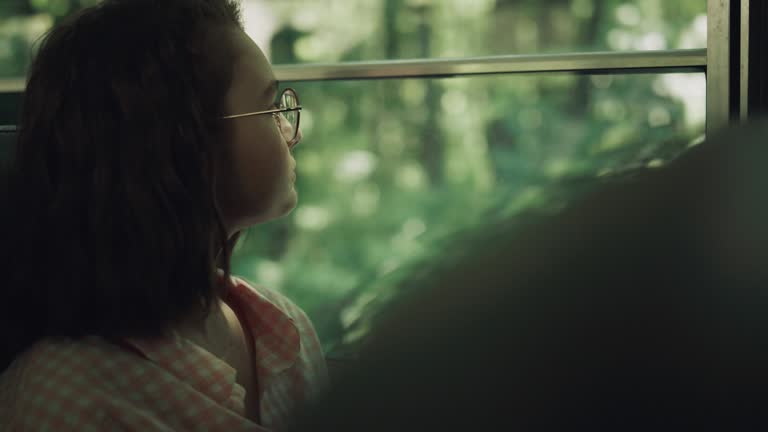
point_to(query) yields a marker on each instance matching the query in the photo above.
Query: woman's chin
(291, 202)
(286, 205)
(278, 210)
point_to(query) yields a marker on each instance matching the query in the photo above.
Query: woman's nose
(285, 125)
(286, 128)
(298, 139)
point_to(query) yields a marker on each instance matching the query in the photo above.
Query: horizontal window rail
(12, 85)
(669, 61)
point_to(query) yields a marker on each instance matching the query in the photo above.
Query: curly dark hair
(115, 225)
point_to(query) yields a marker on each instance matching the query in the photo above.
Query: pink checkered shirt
(170, 384)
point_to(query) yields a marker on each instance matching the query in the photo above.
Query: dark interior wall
(9, 108)
(758, 57)
(7, 143)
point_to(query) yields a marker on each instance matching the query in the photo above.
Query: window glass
(311, 31)
(388, 168)
(22, 22)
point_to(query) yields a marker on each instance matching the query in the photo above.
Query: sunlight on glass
(628, 14)
(270, 273)
(659, 116)
(660, 87)
(413, 228)
(469, 7)
(324, 31)
(614, 138)
(610, 109)
(655, 163)
(316, 48)
(260, 23)
(24, 30)
(365, 199)
(582, 8)
(309, 162)
(620, 40)
(404, 242)
(557, 167)
(388, 266)
(411, 176)
(307, 122)
(39, 4)
(355, 166)
(691, 90)
(697, 140)
(524, 198)
(312, 218)
(454, 102)
(305, 19)
(413, 91)
(352, 313)
(651, 41)
(59, 7)
(695, 36)
(6, 50)
(602, 81)
(334, 112)
(527, 32)
(530, 118)
(392, 137)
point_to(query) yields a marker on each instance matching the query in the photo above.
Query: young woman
(149, 139)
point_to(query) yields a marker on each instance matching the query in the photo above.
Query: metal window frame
(744, 62)
(714, 61)
(12, 85)
(727, 62)
(693, 60)
(718, 64)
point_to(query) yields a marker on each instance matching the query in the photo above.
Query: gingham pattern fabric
(170, 384)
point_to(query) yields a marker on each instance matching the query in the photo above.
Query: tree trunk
(431, 138)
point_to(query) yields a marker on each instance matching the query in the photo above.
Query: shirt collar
(273, 332)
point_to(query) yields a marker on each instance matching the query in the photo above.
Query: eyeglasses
(286, 113)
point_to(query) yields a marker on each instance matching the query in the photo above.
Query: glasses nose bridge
(284, 126)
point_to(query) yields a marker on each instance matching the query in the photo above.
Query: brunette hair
(115, 230)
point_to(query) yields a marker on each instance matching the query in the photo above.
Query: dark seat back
(7, 145)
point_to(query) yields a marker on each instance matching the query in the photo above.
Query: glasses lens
(289, 100)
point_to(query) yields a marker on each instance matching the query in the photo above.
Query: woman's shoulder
(38, 388)
(65, 360)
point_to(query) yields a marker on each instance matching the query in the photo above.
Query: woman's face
(257, 174)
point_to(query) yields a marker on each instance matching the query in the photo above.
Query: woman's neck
(215, 333)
